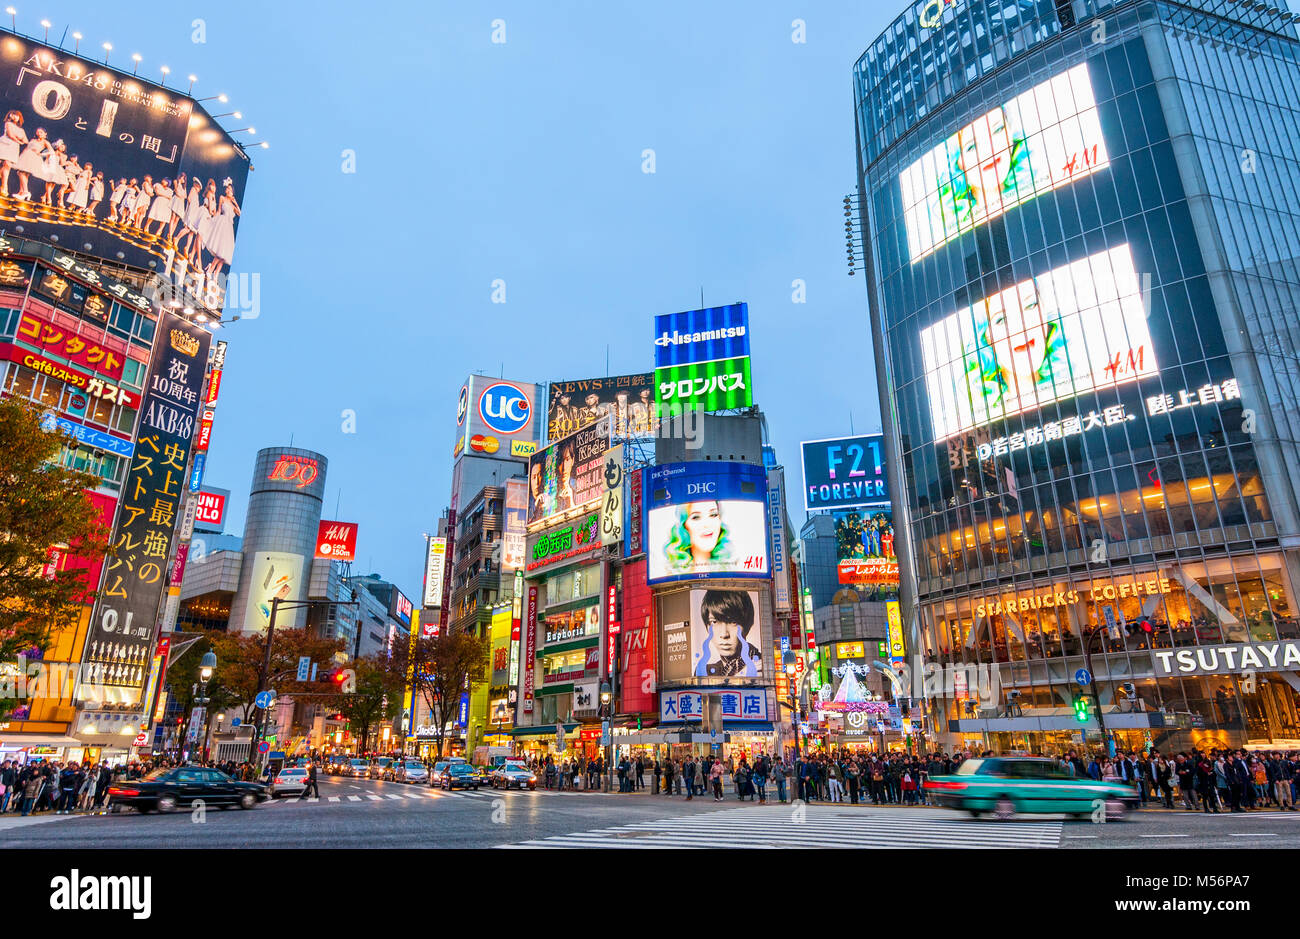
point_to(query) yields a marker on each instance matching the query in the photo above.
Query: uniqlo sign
(337, 541)
(211, 508)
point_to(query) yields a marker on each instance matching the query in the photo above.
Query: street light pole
(1093, 686)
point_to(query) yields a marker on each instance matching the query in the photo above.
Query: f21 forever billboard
(99, 161)
(706, 520)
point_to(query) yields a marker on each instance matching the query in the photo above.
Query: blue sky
(520, 161)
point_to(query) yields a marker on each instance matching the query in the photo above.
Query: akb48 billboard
(102, 161)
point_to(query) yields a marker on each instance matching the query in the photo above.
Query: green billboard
(716, 385)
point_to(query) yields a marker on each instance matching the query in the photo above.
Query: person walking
(313, 787)
(32, 791)
(697, 776)
(640, 772)
(833, 781)
(668, 777)
(658, 770)
(780, 772)
(761, 769)
(715, 775)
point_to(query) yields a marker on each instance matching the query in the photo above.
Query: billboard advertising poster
(138, 172)
(433, 567)
(639, 657)
(897, 650)
(677, 651)
(1077, 328)
(336, 541)
(1045, 138)
(118, 647)
(611, 504)
(716, 385)
(726, 637)
(516, 525)
(720, 332)
(627, 400)
(706, 519)
(496, 414)
(569, 474)
(844, 471)
(275, 575)
(864, 547)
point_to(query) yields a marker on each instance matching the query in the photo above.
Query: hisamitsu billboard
(843, 472)
(720, 332)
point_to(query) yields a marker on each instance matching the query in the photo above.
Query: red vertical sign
(530, 649)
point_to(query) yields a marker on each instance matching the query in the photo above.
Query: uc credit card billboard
(706, 520)
(702, 359)
(499, 416)
(844, 472)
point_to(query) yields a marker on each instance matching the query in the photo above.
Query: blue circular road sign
(1083, 677)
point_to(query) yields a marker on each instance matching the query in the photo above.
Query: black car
(460, 775)
(165, 789)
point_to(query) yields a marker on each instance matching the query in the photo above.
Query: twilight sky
(520, 161)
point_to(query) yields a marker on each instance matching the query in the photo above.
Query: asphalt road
(375, 814)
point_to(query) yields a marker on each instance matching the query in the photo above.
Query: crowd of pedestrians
(82, 788)
(1209, 780)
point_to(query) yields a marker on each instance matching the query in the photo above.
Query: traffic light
(1146, 626)
(638, 722)
(1081, 708)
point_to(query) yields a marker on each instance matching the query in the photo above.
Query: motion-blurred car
(164, 790)
(1006, 786)
(513, 776)
(290, 781)
(334, 766)
(379, 768)
(440, 769)
(412, 771)
(460, 776)
(355, 768)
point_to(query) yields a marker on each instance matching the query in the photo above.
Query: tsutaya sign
(1233, 657)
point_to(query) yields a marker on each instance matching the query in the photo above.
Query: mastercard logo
(484, 444)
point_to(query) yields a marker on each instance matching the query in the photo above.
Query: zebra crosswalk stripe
(374, 798)
(777, 828)
(354, 798)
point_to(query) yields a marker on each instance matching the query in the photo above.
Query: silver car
(412, 771)
(290, 781)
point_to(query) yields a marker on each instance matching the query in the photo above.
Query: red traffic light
(1146, 626)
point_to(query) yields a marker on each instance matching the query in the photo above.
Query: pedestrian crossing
(780, 826)
(404, 797)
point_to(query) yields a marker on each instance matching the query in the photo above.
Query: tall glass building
(1082, 251)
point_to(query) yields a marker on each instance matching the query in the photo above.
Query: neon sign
(299, 470)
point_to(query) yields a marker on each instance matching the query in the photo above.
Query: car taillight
(114, 791)
(934, 784)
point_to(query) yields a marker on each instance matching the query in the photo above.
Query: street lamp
(788, 661)
(206, 666)
(606, 697)
(500, 714)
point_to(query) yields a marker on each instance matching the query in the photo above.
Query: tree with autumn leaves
(440, 669)
(44, 512)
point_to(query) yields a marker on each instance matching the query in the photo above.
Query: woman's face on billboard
(985, 149)
(704, 525)
(1018, 334)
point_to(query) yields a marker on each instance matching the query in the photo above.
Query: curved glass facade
(1083, 290)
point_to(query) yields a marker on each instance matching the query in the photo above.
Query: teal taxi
(1007, 786)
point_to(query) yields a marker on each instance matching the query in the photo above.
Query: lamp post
(1096, 695)
(207, 665)
(788, 662)
(500, 715)
(606, 697)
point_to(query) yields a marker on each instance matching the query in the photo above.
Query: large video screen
(568, 474)
(864, 547)
(706, 519)
(1046, 137)
(626, 400)
(99, 161)
(1076, 328)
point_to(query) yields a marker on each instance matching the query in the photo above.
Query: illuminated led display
(1046, 137)
(1077, 328)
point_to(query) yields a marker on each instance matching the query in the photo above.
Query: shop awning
(570, 646)
(542, 730)
(555, 689)
(748, 727)
(40, 740)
